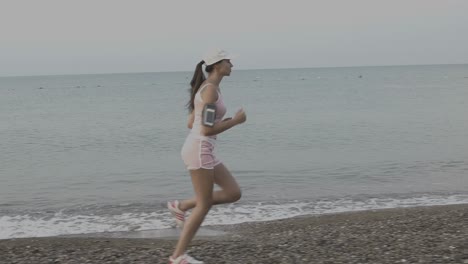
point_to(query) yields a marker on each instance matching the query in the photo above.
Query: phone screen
(209, 117)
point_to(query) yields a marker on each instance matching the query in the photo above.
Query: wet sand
(436, 234)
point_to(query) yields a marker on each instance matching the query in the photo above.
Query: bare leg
(229, 193)
(202, 180)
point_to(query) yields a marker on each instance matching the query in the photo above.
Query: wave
(75, 222)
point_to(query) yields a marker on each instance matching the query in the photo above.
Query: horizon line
(252, 69)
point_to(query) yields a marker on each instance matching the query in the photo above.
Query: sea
(82, 154)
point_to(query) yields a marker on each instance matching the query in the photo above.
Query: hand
(240, 117)
(226, 119)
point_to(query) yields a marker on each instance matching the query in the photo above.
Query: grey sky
(103, 36)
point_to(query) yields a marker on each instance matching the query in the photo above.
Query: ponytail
(197, 79)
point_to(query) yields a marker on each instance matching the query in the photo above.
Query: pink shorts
(198, 152)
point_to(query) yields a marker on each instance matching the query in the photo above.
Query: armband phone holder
(209, 115)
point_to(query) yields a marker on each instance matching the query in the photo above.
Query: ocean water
(101, 153)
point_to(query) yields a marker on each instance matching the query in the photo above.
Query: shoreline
(432, 234)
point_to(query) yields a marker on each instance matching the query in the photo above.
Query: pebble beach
(435, 234)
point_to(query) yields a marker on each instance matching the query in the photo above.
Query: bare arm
(226, 124)
(210, 95)
(190, 120)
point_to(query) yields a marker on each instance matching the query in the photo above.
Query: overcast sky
(105, 36)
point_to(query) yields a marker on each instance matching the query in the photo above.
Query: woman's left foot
(184, 259)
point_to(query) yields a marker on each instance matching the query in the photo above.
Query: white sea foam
(265, 212)
(59, 224)
(16, 226)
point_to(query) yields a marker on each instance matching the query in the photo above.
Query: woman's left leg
(202, 181)
(229, 193)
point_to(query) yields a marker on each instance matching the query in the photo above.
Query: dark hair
(197, 79)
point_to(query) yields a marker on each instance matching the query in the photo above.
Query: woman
(205, 103)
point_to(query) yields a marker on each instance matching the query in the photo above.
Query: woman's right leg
(203, 181)
(229, 193)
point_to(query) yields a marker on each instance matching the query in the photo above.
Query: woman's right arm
(190, 120)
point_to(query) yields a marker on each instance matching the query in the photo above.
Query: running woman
(205, 121)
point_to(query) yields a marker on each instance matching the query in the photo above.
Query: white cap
(216, 55)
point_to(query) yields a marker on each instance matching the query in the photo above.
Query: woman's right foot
(184, 259)
(178, 214)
